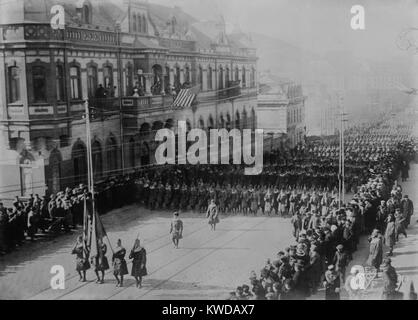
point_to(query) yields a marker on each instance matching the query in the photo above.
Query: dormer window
(84, 11)
(86, 15)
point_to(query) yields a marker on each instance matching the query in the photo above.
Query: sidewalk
(405, 253)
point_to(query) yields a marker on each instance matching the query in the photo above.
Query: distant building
(281, 111)
(142, 54)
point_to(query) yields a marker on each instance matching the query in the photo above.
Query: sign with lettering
(62, 109)
(41, 110)
(15, 110)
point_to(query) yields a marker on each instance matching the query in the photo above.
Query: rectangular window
(210, 79)
(59, 73)
(75, 83)
(108, 77)
(91, 81)
(39, 84)
(129, 81)
(14, 84)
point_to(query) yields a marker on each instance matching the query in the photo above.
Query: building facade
(127, 60)
(281, 113)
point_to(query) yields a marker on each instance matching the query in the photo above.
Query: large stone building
(128, 47)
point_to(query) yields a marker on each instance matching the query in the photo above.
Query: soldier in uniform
(212, 214)
(193, 197)
(176, 229)
(167, 196)
(282, 199)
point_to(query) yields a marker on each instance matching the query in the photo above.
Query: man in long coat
(390, 234)
(375, 250)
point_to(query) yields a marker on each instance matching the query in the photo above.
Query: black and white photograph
(208, 150)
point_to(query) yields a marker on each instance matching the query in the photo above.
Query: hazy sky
(317, 25)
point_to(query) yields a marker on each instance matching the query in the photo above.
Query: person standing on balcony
(100, 92)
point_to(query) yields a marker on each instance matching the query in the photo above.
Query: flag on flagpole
(98, 233)
(185, 97)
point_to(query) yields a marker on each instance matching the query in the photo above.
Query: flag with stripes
(185, 98)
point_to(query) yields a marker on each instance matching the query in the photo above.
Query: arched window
(86, 14)
(39, 83)
(244, 119)
(75, 83)
(237, 120)
(211, 123)
(167, 85)
(111, 155)
(201, 123)
(14, 84)
(79, 157)
(200, 78)
(187, 75)
(60, 87)
(221, 78)
(221, 121)
(236, 74)
(55, 169)
(177, 83)
(252, 80)
(96, 151)
(210, 78)
(139, 23)
(227, 78)
(134, 23)
(108, 76)
(131, 153)
(145, 24)
(129, 77)
(91, 80)
(144, 131)
(228, 121)
(244, 77)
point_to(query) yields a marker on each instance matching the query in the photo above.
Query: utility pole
(121, 115)
(341, 171)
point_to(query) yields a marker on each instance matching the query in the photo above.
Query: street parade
(300, 186)
(208, 150)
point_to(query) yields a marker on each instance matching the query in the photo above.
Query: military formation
(327, 231)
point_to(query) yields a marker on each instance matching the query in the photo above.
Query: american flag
(185, 98)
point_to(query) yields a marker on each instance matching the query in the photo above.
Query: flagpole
(90, 179)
